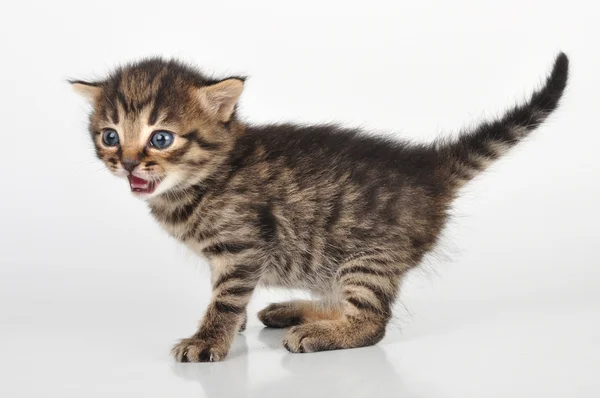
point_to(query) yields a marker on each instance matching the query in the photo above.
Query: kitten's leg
(224, 317)
(367, 291)
(296, 312)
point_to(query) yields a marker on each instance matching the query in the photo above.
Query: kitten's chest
(185, 230)
(177, 231)
(182, 234)
(177, 219)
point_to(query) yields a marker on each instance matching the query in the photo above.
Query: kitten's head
(160, 124)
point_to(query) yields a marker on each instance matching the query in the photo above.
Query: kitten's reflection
(357, 372)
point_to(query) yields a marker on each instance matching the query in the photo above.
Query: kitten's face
(160, 125)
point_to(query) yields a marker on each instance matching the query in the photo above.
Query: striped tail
(467, 156)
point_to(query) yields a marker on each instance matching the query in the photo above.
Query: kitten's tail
(467, 156)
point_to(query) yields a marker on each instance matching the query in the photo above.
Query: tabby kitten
(321, 208)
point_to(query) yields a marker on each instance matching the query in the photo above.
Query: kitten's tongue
(138, 184)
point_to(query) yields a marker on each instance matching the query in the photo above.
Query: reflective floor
(93, 293)
(78, 342)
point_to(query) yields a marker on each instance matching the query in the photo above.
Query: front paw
(195, 349)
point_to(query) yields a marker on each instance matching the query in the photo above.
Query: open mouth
(139, 185)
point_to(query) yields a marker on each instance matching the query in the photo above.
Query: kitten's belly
(324, 292)
(272, 278)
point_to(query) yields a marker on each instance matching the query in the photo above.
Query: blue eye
(161, 139)
(110, 137)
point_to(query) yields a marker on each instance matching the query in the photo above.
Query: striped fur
(323, 208)
(468, 156)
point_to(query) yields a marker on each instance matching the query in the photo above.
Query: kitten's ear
(90, 91)
(220, 98)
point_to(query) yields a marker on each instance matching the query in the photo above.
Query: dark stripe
(282, 264)
(333, 253)
(114, 115)
(191, 231)
(389, 211)
(236, 291)
(363, 305)
(138, 106)
(206, 234)
(182, 214)
(200, 189)
(418, 243)
(111, 97)
(267, 222)
(122, 100)
(151, 163)
(194, 136)
(359, 269)
(177, 154)
(150, 78)
(241, 272)
(334, 214)
(287, 266)
(238, 158)
(153, 115)
(308, 261)
(198, 162)
(159, 99)
(382, 295)
(227, 248)
(224, 307)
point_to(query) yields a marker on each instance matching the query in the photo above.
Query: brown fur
(292, 313)
(330, 210)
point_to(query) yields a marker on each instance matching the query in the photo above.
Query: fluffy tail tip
(560, 73)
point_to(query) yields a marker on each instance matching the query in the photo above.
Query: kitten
(322, 208)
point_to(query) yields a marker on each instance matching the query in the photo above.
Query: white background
(93, 294)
